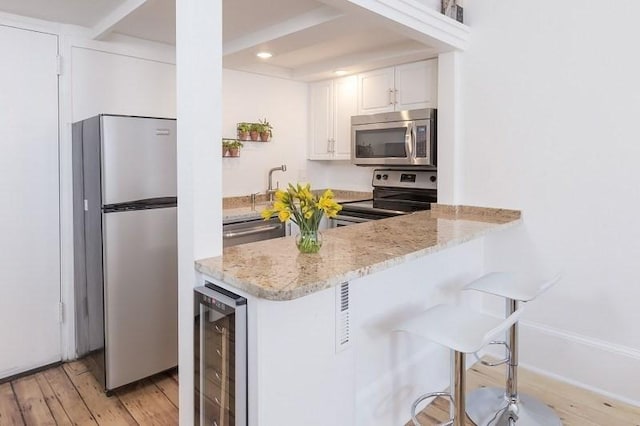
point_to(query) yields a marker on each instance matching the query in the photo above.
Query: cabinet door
(320, 120)
(345, 105)
(416, 85)
(375, 91)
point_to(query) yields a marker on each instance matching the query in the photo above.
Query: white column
(199, 86)
(450, 173)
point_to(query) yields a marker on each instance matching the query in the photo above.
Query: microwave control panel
(421, 141)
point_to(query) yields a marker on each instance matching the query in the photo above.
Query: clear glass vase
(309, 241)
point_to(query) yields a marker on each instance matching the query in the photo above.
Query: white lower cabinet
(331, 105)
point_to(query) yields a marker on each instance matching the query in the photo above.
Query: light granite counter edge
(312, 287)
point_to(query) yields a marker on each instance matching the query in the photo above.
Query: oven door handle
(351, 219)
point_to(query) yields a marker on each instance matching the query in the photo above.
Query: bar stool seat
(463, 331)
(506, 406)
(457, 327)
(511, 285)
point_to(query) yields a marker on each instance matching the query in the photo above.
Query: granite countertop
(275, 270)
(239, 208)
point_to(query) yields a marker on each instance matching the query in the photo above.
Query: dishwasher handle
(252, 231)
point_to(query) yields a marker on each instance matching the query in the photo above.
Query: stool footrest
(502, 361)
(421, 398)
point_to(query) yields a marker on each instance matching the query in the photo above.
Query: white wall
(551, 99)
(250, 97)
(110, 83)
(339, 175)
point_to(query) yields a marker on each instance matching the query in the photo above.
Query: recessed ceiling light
(341, 72)
(264, 55)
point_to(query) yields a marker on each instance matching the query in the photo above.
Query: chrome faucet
(253, 197)
(271, 190)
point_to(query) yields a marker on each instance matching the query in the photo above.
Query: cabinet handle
(395, 96)
(333, 145)
(390, 96)
(329, 145)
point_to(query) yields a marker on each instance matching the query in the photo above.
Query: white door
(29, 189)
(376, 91)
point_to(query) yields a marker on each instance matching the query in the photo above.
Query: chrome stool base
(490, 407)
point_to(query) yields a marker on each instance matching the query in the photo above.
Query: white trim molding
(602, 367)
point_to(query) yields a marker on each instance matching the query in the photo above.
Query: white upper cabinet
(332, 103)
(399, 88)
(376, 91)
(417, 85)
(320, 120)
(345, 106)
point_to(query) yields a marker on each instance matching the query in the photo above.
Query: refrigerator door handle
(149, 203)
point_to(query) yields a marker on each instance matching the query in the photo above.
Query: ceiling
(309, 39)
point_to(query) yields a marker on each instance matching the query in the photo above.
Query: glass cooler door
(220, 357)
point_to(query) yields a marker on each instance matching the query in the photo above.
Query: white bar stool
(505, 407)
(463, 331)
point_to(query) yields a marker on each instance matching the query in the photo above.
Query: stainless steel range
(395, 192)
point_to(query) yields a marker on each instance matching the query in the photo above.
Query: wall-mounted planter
(254, 132)
(231, 147)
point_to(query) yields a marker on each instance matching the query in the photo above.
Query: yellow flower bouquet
(305, 209)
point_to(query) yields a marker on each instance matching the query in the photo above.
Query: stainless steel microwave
(406, 138)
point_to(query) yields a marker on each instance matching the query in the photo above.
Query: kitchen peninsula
(321, 342)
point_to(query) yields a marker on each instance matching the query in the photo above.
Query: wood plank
(168, 385)
(76, 367)
(68, 396)
(57, 411)
(9, 410)
(147, 404)
(105, 410)
(32, 402)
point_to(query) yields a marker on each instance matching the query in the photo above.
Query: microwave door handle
(410, 140)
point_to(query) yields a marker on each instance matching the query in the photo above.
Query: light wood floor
(69, 395)
(575, 406)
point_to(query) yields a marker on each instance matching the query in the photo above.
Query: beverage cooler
(220, 357)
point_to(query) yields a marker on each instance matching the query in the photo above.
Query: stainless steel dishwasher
(249, 231)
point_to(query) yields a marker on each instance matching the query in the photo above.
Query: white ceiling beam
(290, 26)
(411, 18)
(363, 61)
(103, 28)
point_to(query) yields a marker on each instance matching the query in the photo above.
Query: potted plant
(265, 130)
(254, 131)
(243, 131)
(234, 148)
(225, 146)
(305, 209)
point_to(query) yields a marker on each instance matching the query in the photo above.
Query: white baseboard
(592, 364)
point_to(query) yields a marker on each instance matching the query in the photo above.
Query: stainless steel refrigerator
(125, 246)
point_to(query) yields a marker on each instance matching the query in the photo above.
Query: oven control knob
(385, 177)
(432, 178)
(378, 177)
